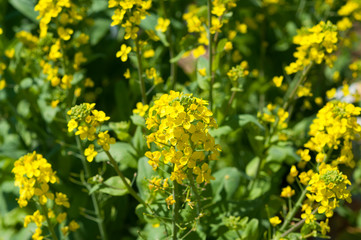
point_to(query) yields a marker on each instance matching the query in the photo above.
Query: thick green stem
(194, 189)
(93, 196)
(292, 213)
(210, 55)
(140, 72)
(50, 225)
(175, 211)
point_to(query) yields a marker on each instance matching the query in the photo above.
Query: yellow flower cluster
(325, 188)
(316, 45)
(239, 71)
(179, 124)
(132, 11)
(151, 73)
(352, 8)
(197, 23)
(27, 39)
(33, 175)
(275, 115)
(335, 127)
(85, 120)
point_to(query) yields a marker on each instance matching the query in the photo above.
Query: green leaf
(202, 81)
(99, 30)
(123, 153)
(26, 7)
(178, 57)
(145, 171)
(115, 186)
(228, 179)
(138, 141)
(276, 155)
(254, 131)
(251, 231)
(137, 120)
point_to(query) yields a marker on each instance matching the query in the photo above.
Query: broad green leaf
(251, 231)
(115, 186)
(123, 153)
(26, 7)
(145, 172)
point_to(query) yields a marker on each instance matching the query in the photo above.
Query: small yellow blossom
(123, 52)
(202, 72)
(2, 84)
(90, 153)
(228, 46)
(162, 24)
(127, 74)
(149, 53)
(275, 221)
(287, 192)
(277, 81)
(199, 51)
(10, 53)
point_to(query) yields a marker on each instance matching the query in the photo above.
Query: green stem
(195, 191)
(140, 72)
(296, 226)
(94, 198)
(124, 180)
(290, 96)
(50, 225)
(292, 213)
(175, 210)
(131, 190)
(210, 54)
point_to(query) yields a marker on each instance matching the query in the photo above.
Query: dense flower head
(315, 45)
(179, 124)
(33, 175)
(85, 119)
(335, 127)
(239, 71)
(327, 187)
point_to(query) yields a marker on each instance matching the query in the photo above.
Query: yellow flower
(54, 103)
(78, 60)
(275, 221)
(73, 226)
(62, 199)
(162, 24)
(287, 192)
(169, 200)
(127, 74)
(65, 33)
(148, 54)
(123, 52)
(72, 124)
(202, 72)
(105, 140)
(2, 84)
(90, 153)
(199, 51)
(1, 31)
(242, 28)
(86, 132)
(10, 53)
(228, 46)
(61, 217)
(141, 109)
(277, 81)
